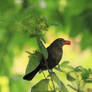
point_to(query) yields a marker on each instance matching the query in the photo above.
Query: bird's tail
(31, 75)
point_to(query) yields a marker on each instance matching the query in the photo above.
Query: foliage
(32, 65)
(42, 86)
(43, 50)
(25, 23)
(61, 85)
(78, 76)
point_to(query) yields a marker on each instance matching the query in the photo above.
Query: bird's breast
(54, 57)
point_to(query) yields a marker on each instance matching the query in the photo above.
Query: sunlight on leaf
(64, 63)
(61, 85)
(42, 86)
(69, 77)
(34, 61)
(43, 50)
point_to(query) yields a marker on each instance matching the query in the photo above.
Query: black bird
(55, 53)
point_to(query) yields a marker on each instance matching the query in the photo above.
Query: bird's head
(61, 42)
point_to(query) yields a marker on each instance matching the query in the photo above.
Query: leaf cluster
(78, 76)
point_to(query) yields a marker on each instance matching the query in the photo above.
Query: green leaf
(72, 87)
(34, 61)
(43, 50)
(69, 77)
(86, 73)
(79, 69)
(64, 63)
(43, 38)
(59, 82)
(89, 89)
(42, 86)
(89, 71)
(88, 80)
(59, 69)
(28, 52)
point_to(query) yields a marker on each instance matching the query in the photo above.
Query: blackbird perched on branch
(55, 53)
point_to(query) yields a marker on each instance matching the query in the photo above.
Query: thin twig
(44, 75)
(72, 87)
(52, 80)
(79, 87)
(46, 63)
(46, 78)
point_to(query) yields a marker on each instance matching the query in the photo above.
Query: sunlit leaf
(72, 87)
(42, 86)
(89, 89)
(64, 63)
(43, 38)
(88, 80)
(59, 69)
(85, 74)
(28, 52)
(43, 50)
(61, 85)
(69, 77)
(34, 61)
(79, 68)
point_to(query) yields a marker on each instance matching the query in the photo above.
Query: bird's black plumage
(55, 53)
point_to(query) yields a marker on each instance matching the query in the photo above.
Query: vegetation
(25, 22)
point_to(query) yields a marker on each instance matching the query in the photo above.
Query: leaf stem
(46, 78)
(46, 63)
(72, 87)
(52, 80)
(44, 75)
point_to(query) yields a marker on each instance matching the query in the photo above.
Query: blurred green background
(69, 19)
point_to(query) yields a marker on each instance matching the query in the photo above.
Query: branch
(52, 79)
(72, 87)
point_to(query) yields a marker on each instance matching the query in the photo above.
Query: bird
(55, 52)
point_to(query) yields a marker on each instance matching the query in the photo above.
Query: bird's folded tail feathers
(31, 75)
